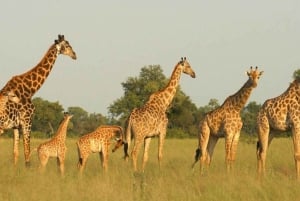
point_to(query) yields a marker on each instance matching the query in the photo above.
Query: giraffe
(98, 141)
(151, 120)
(277, 115)
(225, 121)
(55, 147)
(25, 86)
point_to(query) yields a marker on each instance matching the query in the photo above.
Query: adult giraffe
(276, 115)
(25, 86)
(151, 119)
(225, 121)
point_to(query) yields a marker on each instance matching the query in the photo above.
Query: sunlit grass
(174, 181)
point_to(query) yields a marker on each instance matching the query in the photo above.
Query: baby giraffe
(98, 141)
(55, 147)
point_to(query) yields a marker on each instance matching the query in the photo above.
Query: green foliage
(212, 104)
(47, 116)
(249, 115)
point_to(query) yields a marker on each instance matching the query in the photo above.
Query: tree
(47, 116)
(249, 114)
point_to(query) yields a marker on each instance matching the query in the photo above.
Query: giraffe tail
(79, 164)
(197, 156)
(127, 138)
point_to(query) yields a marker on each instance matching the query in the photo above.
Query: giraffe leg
(105, 160)
(135, 150)
(43, 161)
(16, 146)
(82, 163)
(210, 148)
(264, 140)
(61, 163)
(103, 157)
(161, 141)
(146, 149)
(296, 141)
(228, 145)
(204, 136)
(26, 143)
(233, 149)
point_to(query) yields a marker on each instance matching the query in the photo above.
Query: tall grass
(174, 181)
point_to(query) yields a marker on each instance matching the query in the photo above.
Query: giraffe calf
(55, 147)
(98, 141)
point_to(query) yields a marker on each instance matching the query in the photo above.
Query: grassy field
(174, 181)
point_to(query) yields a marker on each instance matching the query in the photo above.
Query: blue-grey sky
(115, 39)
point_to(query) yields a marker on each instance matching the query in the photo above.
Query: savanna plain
(175, 180)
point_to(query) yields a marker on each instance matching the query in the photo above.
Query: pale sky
(113, 40)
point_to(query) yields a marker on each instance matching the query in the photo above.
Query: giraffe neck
(164, 97)
(27, 84)
(293, 90)
(62, 130)
(238, 100)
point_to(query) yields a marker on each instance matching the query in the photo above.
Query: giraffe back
(282, 111)
(94, 141)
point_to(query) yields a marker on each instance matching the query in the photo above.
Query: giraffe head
(186, 67)
(119, 143)
(254, 75)
(67, 115)
(63, 47)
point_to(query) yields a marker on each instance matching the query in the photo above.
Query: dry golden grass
(174, 181)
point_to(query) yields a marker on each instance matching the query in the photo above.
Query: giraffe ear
(56, 41)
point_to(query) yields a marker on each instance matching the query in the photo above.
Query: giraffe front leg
(61, 163)
(146, 149)
(228, 145)
(233, 149)
(104, 157)
(162, 136)
(16, 146)
(81, 164)
(26, 143)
